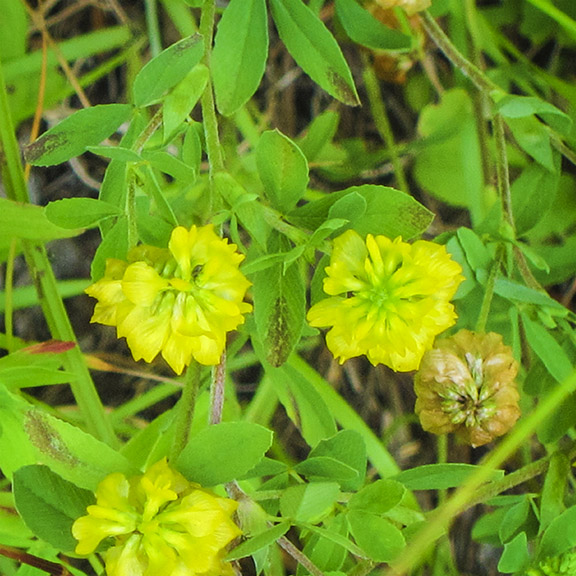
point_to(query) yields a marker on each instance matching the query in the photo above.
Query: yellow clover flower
(389, 299)
(179, 301)
(161, 525)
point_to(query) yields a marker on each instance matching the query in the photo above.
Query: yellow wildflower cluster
(389, 299)
(162, 525)
(179, 301)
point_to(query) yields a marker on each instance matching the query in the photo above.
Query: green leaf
(44, 439)
(477, 255)
(31, 367)
(314, 49)
(13, 30)
(279, 309)
(258, 542)
(28, 222)
(114, 245)
(319, 134)
(366, 30)
(164, 71)
(388, 211)
(351, 208)
(13, 530)
(49, 505)
(515, 518)
(533, 193)
(116, 153)
(449, 165)
(240, 50)
(69, 138)
(181, 100)
(283, 169)
(303, 404)
(170, 165)
(378, 497)
(440, 476)
(324, 467)
(515, 291)
(309, 503)
(224, 452)
(547, 349)
(328, 549)
(380, 539)
(348, 447)
(560, 535)
(515, 557)
(552, 499)
(513, 106)
(534, 138)
(80, 212)
(249, 213)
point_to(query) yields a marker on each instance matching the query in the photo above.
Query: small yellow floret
(161, 525)
(389, 299)
(180, 301)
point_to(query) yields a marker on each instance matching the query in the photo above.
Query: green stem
(381, 120)
(443, 516)
(210, 120)
(185, 410)
(300, 557)
(480, 80)
(502, 172)
(489, 290)
(82, 385)
(153, 27)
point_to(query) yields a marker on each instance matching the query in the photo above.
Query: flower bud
(466, 385)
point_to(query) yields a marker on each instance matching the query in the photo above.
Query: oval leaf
(309, 503)
(314, 49)
(366, 30)
(224, 452)
(44, 439)
(69, 138)
(240, 51)
(80, 212)
(381, 540)
(283, 169)
(560, 536)
(440, 476)
(167, 69)
(279, 309)
(49, 505)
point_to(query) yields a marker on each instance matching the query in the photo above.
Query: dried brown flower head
(466, 385)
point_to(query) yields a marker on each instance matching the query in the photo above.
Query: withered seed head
(466, 385)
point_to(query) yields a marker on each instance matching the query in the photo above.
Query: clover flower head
(388, 299)
(160, 525)
(180, 301)
(466, 385)
(410, 6)
(562, 565)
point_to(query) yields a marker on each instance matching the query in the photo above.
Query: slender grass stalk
(153, 27)
(380, 117)
(9, 291)
(41, 271)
